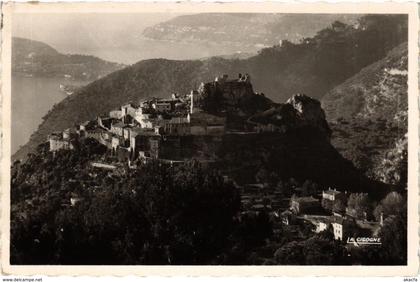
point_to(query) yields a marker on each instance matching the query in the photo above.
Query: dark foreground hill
(148, 211)
(314, 66)
(368, 115)
(34, 58)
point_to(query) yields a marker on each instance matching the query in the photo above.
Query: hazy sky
(86, 33)
(113, 37)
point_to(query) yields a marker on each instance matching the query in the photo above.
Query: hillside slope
(368, 115)
(34, 58)
(377, 91)
(314, 66)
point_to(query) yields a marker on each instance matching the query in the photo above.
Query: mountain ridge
(36, 58)
(258, 30)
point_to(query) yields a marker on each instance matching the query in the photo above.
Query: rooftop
(133, 105)
(332, 192)
(305, 199)
(142, 131)
(97, 130)
(119, 124)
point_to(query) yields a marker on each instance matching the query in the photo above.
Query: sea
(32, 98)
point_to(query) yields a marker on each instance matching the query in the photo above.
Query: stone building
(139, 140)
(338, 230)
(179, 126)
(117, 128)
(59, 141)
(117, 114)
(301, 205)
(202, 123)
(221, 94)
(105, 122)
(330, 197)
(162, 106)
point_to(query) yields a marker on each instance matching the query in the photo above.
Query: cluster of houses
(155, 128)
(315, 210)
(321, 214)
(163, 128)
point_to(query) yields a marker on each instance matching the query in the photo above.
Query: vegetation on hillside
(378, 91)
(301, 154)
(64, 211)
(152, 215)
(368, 115)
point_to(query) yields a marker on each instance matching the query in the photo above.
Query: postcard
(217, 139)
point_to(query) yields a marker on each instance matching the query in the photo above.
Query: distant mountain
(314, 67)
(34, 58)
(256, 30)
(237, 55)
(368, 114)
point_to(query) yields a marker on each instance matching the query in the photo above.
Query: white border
(413, 145)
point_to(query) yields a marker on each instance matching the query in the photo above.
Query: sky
(89, 33)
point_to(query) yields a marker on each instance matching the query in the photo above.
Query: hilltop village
(169, 129)
(222, 175)
(155, 128)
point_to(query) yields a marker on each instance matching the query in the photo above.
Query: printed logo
(359, 241)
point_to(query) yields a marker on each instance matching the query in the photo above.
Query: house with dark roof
(301, 205)
(330, 197)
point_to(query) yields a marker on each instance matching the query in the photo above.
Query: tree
(155, 214)
(284, 188)
(267, 177)
(308, 188)
(392, 204)
(316, 250)
(339, 206)
(320, 251)
(393, 236)
(359, 205)
(253, 229)
(290, 254)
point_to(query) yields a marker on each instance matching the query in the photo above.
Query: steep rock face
(310, 112)
(368, 115)
(229, 96)
(377, 91)
(300, 111)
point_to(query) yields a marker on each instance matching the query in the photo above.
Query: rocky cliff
(310, 112)
(368, 115)
(300, 111)
(377, 91)
(231, 96)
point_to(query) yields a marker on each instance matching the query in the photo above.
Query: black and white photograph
(210, 138)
